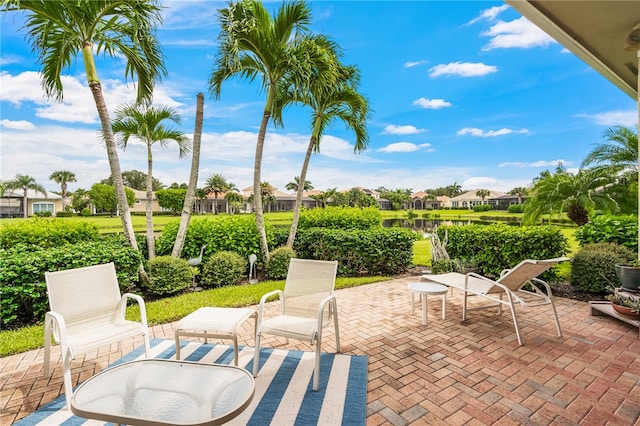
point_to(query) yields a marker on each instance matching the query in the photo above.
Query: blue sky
(461, 91)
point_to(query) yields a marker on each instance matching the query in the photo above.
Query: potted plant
(625, 303)
(629, 275)
(467, 264)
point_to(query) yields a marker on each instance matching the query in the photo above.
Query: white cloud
(10, 59)
(626, 118)
(406, 147)
(414, 64)
(392, 129)
(190, 43)
(489, 14)
(462, 69)
(519, 33)
(541, 163)
(431, 103)
(17, 125)
(474, 131)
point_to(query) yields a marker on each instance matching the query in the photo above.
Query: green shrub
(341, 218)
(442, 266)
(593, 266)
(498, 246)
(22, 285)
(42, 214)
(64, 214)
(168, 275)
(610, 229)
(482, 208)
(47, 232)
(279, 262)
(85, 212)
(516, 208)
(223, 268)
(376, 251)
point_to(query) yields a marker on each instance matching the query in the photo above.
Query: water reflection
(425, 226)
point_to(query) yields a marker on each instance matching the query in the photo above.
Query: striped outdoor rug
(283, 388)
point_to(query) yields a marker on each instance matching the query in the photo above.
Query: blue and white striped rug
(283, 388)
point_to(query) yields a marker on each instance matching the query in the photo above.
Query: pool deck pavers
(445, 373)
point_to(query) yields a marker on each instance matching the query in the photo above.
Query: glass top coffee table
(165, 392)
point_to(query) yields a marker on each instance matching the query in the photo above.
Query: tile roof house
(470, 199)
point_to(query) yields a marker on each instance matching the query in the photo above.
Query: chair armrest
(331, 298)
(264, 298)
(60, 330)
(140, 301)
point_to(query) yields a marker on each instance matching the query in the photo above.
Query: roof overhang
(595, 31)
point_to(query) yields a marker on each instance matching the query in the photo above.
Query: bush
(279, 263)
(85, 212)
(64, 214)
(593, 267)
(376, 251)
(223, 268)
(610, 229)
(498, 246)
(341, 218)
(168, 275)
(482, 208)
(43, 214)
(47, 233)
(442, 266)
(515, 208)
(22, 284)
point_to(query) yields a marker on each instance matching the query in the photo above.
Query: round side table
(424, 289)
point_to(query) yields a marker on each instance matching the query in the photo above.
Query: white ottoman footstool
(220, 323)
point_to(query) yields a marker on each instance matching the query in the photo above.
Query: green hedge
(47, 232)
(24, 298)
(498, 246)
(341, 218)
(593, 267)
(376, 251)
(610, 229)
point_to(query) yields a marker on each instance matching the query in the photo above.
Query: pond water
(425, 226)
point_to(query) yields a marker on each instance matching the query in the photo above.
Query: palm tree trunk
(298, 205)
(193, 179)
(25, 201)
(257, 190)
(151, 243)
(215, 202)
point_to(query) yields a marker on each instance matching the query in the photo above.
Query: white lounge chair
(307, 305)
(87, 312)
(510, 284)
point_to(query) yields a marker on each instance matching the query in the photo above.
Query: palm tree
(332, 95)
(483, 193)
(60, 31)
(217, 184)
(61, 177)
(519, 191)
(26, 182)
(295, 184)
(146, 124)
(454, 190)
(576, 194)
(253, 44)
(619, 154)
(234, 200)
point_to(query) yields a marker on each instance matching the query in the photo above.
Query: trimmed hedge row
(24, 297)
(593, 269)
(47, 232)
(376, 251)
(497, 247)
(610, 229)
(341, 218)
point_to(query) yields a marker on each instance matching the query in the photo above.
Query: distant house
(470, 199)
(419, 202)
(140, 206)
(281, 201)
(504, 201)
(11, 203)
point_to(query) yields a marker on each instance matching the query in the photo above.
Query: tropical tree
(234, 200)
(25, 182)
(217, 184)
(200, 195)
(103, 197)
(483, 193)
(295, 184)
(520, 192)
(576, 194)
(146, 123)
(135, 179)
(80, 200)
(62, 177)
(619, 154)
(60, 31)
(453, 190)
(332, 95)
(398, 198)
(253, 44)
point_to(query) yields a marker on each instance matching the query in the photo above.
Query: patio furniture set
(151, 391)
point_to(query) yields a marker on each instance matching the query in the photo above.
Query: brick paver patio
(446, 372)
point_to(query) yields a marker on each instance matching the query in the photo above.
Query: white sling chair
(510, 283)
(87, 312)
(307, 305)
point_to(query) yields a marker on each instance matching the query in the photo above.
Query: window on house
(43, 207)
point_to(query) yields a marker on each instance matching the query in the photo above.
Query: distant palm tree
(217, 184)
(519, 191)
(146, 123)
(454, 190)
(62, 177)
(60, 31)
(619, 154)
(293, 186)
(234, 200)
(253, 44)
(483, 193)
(26, 182)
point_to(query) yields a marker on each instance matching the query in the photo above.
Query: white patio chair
(511, 283)
(307, 305)
(87, 312)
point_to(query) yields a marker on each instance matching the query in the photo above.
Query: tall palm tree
(576, 194)
(217, 184)
(62, 177)
(332, 95)
(619, 154)
(295, 184)
(60, 31)
(146, 123)
(252, 43)
(454, 189)
(519, 191)
(483, 193)
(26, 182)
